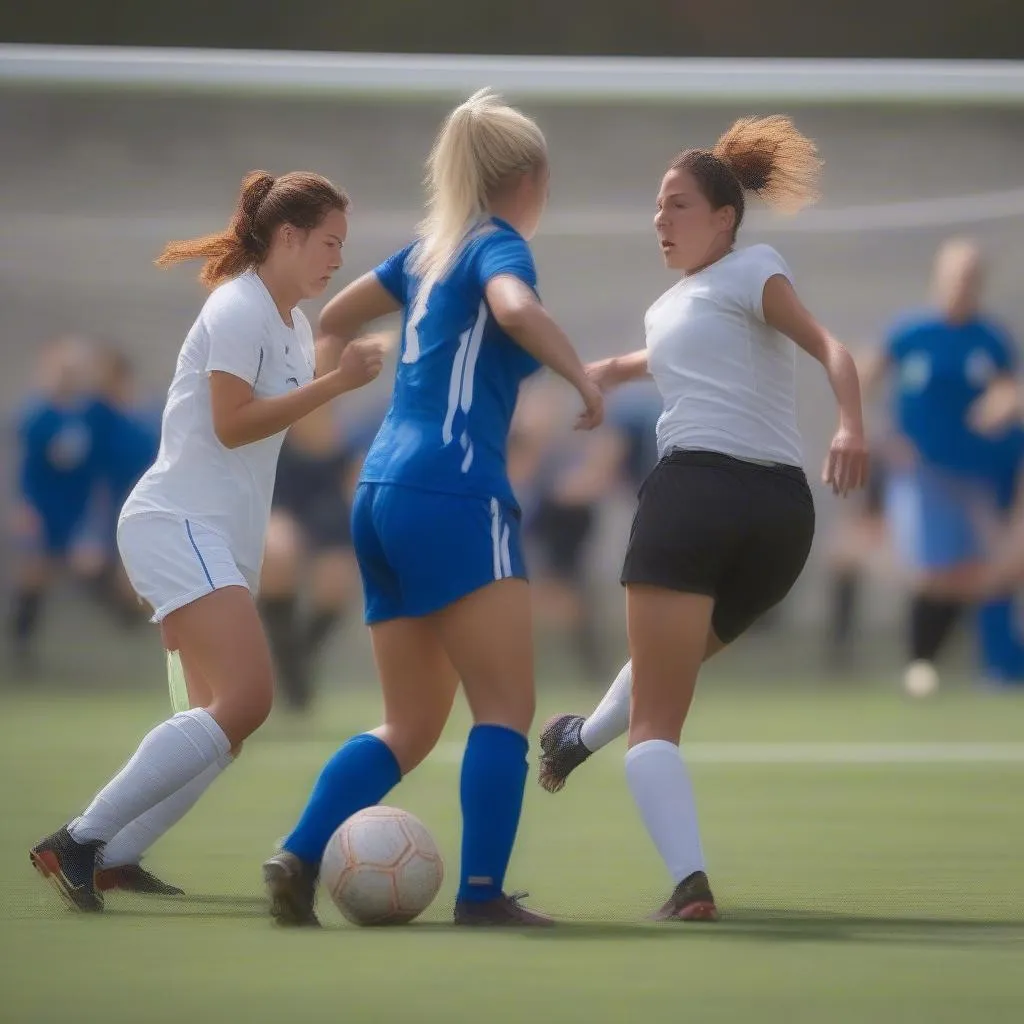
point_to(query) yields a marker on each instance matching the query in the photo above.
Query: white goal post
(597, 79)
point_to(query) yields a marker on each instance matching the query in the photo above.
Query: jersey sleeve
(392, 276)
(235, 330)
(763, 263)
(505, 253)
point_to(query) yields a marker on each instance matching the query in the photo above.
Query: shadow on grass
(738, 923)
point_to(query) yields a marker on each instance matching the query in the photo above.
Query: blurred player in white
(726, 519)
(192, 532)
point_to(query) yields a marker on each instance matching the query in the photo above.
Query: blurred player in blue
(309, 547)
(131, 440)
(956, 483)
(434, 521)
(61, 442)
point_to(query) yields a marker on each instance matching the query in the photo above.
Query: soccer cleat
(70, 867)
(562, 750)
(502, 912)
(134, 878)
(691, 901)
(291, 886)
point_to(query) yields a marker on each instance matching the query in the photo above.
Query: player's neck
(285, 295)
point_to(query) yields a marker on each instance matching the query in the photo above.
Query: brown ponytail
(767, 156)
(264, 203)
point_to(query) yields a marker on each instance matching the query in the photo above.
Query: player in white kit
(726, 519)
(191, 533)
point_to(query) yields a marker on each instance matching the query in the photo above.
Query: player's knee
(240, 714)
(410, 742)
(511, 706)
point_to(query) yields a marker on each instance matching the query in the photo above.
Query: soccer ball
(382, 866)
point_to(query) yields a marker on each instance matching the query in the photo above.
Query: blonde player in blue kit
(434, 521)
(192, 532)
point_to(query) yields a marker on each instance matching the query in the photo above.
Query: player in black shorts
(726, 519)
(308, 580)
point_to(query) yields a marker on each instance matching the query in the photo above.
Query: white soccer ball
(382, 866)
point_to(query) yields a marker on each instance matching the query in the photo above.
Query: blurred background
(96, 180)
(907, 835)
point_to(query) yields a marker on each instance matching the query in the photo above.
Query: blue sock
(360, 774)
(493, 779)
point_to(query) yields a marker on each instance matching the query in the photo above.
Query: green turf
(886, 892)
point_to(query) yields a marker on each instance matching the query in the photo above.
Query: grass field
(866, 851)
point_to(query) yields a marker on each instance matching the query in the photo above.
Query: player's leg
(418, 684)
(567, 740)
(333, 574)
(36, 546)
(193, 582)
(283, 557)
(667, 631)
(704, 527)
(119, 864)
(935, 536)
(488, 635)
(460, 564)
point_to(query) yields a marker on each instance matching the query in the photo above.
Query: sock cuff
(201, 728)
(649, 747)
(386, 753)
(491, 732)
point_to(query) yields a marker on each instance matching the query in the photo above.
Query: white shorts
(172, 562)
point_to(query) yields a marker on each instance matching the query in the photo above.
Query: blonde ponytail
(482, 145)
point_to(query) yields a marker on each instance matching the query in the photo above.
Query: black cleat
(562, 750)
(134, 878)
(691, 901)
(502, 912)
(70, 867)
(291, 886)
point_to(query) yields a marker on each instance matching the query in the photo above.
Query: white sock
(128, 846)
(610, 719)
(660, 785)
(170, 756)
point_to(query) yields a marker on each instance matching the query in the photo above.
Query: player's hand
(998, 408)
(604, 373)
(846, 468)
(593, 405)
(361, 361)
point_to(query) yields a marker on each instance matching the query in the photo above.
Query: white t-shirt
(726, 378)
(228, 490)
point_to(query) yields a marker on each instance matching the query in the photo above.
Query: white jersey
(726, 378)
(195, 478)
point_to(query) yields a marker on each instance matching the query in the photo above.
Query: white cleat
(920, 679)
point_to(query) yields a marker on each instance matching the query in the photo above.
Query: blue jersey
(62, 458)
(458, 375)
(131, 441)
(941, 369)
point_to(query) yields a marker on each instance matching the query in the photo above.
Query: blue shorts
(419, 551)
(938, 521)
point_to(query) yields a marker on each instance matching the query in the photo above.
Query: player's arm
(341, 320)
(515, 306)
(847, 464)
(610, 373)
(1001, 405)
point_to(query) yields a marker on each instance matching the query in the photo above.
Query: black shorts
(311, 489)
(711, 524)
(561, 533)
